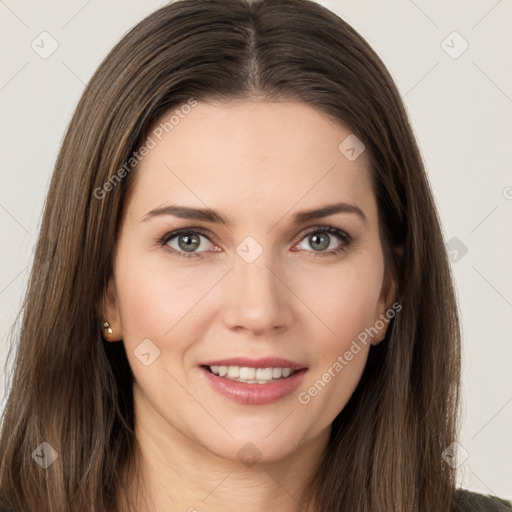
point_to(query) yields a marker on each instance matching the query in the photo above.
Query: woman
(235, 299)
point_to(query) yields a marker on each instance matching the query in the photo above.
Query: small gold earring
(107, 330)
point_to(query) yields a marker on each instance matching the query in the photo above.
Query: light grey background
(461, 110)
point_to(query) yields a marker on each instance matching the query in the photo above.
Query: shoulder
(467, 501)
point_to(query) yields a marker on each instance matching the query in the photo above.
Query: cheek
(149, 292)
(345, 301)
(160, 300)
(158, 303)
(339, 357)
(344, 298)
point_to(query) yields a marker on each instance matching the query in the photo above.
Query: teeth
(251, 375)
(277, 373)
(264, 374)
(233, 372)
(247, 373)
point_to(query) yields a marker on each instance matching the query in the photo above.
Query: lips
(251, 393)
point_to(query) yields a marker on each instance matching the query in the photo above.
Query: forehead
(238, 155)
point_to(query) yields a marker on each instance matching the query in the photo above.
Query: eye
(322, 240)
(186, 242)
(189, 242)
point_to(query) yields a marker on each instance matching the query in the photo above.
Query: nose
(256, 297)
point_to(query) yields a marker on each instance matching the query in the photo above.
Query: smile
(253, 382)
(251, 375)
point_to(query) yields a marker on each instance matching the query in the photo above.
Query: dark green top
(468, 501)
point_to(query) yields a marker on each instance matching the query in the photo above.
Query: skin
(257, 163)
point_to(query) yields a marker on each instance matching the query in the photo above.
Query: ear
(386, 306)
(110, 313)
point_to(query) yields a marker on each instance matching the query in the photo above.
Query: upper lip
(263, 362)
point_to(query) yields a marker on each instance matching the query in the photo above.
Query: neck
(175, 473)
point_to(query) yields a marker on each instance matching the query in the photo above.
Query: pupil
(190, 242)
(317, 240)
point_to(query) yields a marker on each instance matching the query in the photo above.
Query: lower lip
(254, 394)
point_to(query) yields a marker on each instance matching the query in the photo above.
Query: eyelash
(345, 237)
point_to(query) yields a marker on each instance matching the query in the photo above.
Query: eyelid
(328, 229)
(208, 234)
(201, 231)
(345, 237)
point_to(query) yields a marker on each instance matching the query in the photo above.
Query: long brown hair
(73, 390)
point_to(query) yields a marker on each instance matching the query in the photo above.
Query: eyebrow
(208, 215)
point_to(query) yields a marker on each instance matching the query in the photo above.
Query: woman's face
(269, 288)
